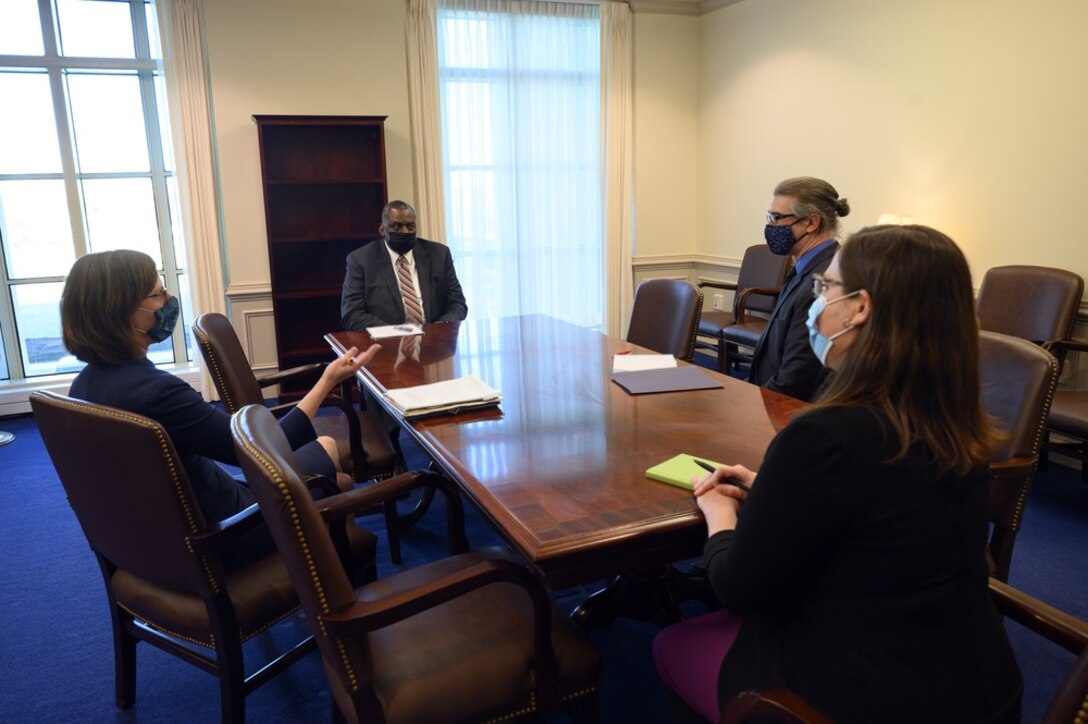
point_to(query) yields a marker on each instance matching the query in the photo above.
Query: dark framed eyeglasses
(159, 295)
(774, 217)
(821, 284)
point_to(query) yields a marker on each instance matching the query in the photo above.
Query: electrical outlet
(719, 301)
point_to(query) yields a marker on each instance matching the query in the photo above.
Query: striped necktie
(413, 310)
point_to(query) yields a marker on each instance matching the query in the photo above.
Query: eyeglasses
(774, 217)
(821, 284)
(157, 295)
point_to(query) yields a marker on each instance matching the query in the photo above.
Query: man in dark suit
(401, 279)
(803, 221)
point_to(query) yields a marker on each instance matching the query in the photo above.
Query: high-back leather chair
(1069, 703)
(1035, 303)
(1018, 381)
(665, 317)
(365, 445)
(160, 560)
(759, 282)
(467, 638)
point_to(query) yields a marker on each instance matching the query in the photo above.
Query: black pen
(727, 481)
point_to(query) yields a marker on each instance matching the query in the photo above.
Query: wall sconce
(897, 219)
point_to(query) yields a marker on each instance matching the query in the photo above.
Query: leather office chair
(1040, 304)
(759, 282)
(363, 441)
(1035, 303)
(470, 637)
(160, 560)
(1018, 380)
(1069, 703)
(665, 317)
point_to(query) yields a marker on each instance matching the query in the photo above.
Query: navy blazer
(783, 361)
(371, 295)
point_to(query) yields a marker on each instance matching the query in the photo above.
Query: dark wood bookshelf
(324, 188)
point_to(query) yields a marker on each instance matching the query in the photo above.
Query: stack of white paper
(394, 330)
(639, 362)
(448, 396)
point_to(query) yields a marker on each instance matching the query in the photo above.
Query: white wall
(666, 80)
(320, 57)
(967, 114)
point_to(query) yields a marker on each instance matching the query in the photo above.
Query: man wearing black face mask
(802, 222)
(401, 279)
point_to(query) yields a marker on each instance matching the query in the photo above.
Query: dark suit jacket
(783, 360)
(371, 296)
(861, 584)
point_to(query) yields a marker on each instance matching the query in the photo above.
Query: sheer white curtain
(181, 24)
(520, 97)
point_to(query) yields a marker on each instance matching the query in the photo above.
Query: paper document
(635, 362)
(394, 330)
(679, 471)
(449, 396)
(675, 379)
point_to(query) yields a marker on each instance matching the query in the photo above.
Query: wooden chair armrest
(1016, 467)
(1066, 345)
(362, 617)
(740, 302)
(780, 705)
(218, 534)
(1067, 631)
(352, 502)
(311, 370)
(728, 286)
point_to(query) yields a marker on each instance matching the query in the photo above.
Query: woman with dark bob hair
(856, 574)
(114, 306)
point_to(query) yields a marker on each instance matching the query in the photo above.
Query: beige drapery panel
(181, 24)
(421, 34)
(617, 152)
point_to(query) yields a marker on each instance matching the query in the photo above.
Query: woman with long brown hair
(856, 573)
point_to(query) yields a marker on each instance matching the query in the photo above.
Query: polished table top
(559, 468)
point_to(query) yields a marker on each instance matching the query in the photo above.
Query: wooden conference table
(559, 467)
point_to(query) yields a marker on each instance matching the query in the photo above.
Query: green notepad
(679, 470)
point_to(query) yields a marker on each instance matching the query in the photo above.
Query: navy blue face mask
(780, 238)
(165, 320)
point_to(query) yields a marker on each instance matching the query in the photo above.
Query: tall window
(520, 96)
(85, 165)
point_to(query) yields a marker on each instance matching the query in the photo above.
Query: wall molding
(679, 7)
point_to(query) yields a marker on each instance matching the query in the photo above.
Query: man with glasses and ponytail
(802, 222)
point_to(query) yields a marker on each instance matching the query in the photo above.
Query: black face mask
(400, 242)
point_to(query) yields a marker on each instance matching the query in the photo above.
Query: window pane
(121, 215)
(186, 304)
(164, 123)
(28, 139)
(109, 123)
(37, 315)
(4, 374)
(175, 221)
(152, 18)
(20, 28)
(35, 228)
(95, 29)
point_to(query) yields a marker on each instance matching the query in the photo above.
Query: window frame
(56, 66)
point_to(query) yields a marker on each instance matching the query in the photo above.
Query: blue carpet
(57, 642)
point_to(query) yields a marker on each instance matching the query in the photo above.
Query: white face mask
(820, 342)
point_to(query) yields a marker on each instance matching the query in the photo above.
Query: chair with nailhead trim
(472, 637)
(1018, 381)
(161, 562)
